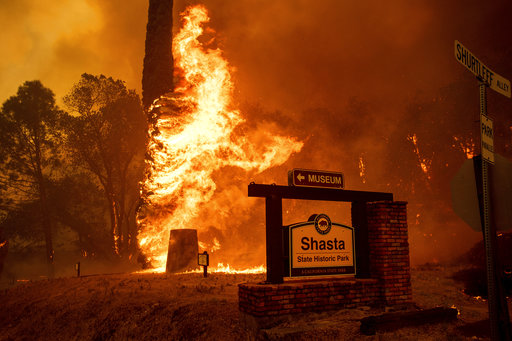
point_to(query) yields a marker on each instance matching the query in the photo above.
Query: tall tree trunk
(111, 197)
(47, 226)
(157, 76)
(45, 212)
(121, 201)
(113, 222)
(120, 226)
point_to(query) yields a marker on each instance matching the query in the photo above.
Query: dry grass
(190, 307)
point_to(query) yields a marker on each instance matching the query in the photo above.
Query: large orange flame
(192, 136)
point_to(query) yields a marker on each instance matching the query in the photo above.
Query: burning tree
(195, 132)
(157, 74)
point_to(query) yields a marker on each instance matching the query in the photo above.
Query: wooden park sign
(320, 247)
(278, 258)
(330, 252)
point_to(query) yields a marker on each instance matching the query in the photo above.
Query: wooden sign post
(203, 259)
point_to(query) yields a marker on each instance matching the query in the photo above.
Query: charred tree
(157, 75)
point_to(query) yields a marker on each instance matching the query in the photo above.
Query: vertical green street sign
(498, 308)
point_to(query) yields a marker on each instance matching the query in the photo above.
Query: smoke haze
(351, 79)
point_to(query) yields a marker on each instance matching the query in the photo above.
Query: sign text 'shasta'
(321, 247)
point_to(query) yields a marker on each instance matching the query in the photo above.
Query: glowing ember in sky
(193, 135)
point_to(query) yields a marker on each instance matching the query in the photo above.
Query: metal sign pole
(489, 250)
(498, 309)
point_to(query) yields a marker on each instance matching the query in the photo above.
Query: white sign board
(473, 64)
(487, 138)
(321, 248)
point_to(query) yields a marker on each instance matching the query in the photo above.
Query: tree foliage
(107, 137)
(29, 155)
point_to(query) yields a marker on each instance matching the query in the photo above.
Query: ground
(190, 307)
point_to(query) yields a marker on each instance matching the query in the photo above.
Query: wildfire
(227, 269)
(192, 136)
(424, 162)
(362, 169)
(454, 307)
(221, 268)
(215, 245)
(468, 148)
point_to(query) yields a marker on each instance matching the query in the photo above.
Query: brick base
(306, 296)
(389, 283)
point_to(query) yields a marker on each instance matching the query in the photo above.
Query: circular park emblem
(322, 223)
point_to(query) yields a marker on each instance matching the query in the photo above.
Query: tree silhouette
(107, 137)
(29, 140)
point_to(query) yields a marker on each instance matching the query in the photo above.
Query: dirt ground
(190, 307)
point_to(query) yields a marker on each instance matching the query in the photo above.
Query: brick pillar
(389, 250)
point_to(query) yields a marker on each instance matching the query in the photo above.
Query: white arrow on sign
(300, 177)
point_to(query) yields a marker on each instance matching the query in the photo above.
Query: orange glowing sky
(283, 50)
(58, 41)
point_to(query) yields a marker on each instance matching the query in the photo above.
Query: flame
(454, 307)
(362, 169)
(221, 268)
(192, 136)
(468, 148)
(479, 298)
(424, 162)
(214, 246)
(227, 269)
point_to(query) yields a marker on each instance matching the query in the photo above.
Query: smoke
(58, 41)
(348, 78)
(342, 76)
